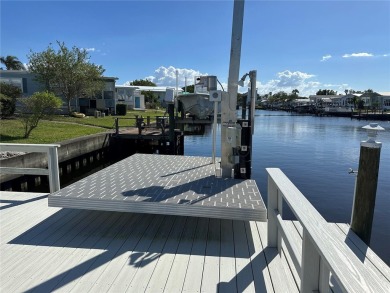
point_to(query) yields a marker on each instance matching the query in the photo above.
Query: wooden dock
(47, 249)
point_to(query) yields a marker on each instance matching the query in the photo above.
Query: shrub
(10, 94)
(121, 109)
(4, 104)
(39, 105)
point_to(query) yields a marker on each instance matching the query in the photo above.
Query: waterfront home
(323, 100)
(377, 100)
(26, 81)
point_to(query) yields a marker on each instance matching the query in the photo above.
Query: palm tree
(12, 63)
(295, 92)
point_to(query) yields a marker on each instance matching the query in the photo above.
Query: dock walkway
(46, 249)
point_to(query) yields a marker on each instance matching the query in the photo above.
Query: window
(108, 95)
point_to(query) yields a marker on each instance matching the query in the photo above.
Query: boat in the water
(196, 105)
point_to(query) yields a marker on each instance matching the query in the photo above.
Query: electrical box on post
(169, 95)
(215, 96)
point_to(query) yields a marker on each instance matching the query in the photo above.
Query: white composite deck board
(280, 282)
(97, 265)
(148, 264)
(64, 250)
(25, 210)
(39, 258)
(228, 280)
(299, 228)
(296, 245)
(178, 271)
(87, 253)
(244, 273)
(134, 258)
(167, 257)
(258, 262)
(211, 265)
(368, 253)
(34, 242)
(112, 268)
(372, 261)
(286, 256)
(193, 278)
(54, 259)
(41, 233)
(291, 275)
(93, 278)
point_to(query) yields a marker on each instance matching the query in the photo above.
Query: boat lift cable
(220, 84)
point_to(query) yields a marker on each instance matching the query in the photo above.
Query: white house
(132, 97)
(324, 100)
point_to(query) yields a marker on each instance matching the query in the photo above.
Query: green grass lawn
(109, 121)
(11, 131)
(64, 127)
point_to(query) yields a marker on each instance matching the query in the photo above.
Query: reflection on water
(316, 153)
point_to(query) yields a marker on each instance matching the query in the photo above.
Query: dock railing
(52, 161)
(323, 252)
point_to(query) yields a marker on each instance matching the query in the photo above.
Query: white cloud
(326, 57)
(358, 55)
(285, 81)
(166, 76)
(292, 79)
(289, 80)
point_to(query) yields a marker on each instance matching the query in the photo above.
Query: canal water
(316, 154)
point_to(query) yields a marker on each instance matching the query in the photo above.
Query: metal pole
(366, 184)
(228, 106)
(215, 129)
(253, 77)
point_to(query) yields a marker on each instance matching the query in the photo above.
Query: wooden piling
(366, 185)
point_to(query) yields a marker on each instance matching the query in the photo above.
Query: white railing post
(323, 251)
(324, 276)
(272, 205)
(52, 164)
(310, 276)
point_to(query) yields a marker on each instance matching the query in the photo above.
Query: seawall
(69, 150)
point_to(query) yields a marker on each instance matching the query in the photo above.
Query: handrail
(322, 251)
(52, 162)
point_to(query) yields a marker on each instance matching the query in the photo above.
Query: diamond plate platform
(162, 184)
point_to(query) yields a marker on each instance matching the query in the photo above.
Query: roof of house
(148, 88)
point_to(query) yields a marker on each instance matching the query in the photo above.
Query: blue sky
(306, 45)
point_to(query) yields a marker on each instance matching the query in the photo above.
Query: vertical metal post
(171, 112)
(253, 77)
(243, 105)
(215, 129)
(54, 174)
(366, 184)
(228, 106)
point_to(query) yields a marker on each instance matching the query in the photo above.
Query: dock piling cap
(372, 130)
